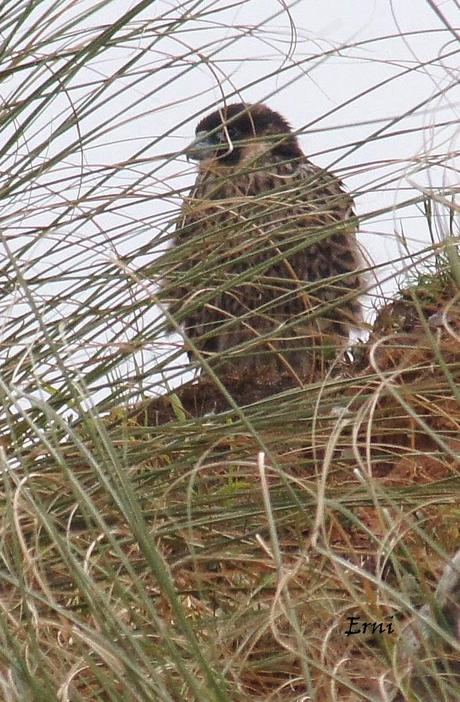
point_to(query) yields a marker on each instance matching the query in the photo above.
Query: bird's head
(239, 133)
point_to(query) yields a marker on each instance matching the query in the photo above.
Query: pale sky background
(371, 87)
(346, 98)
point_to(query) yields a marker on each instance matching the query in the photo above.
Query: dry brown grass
(271, 538)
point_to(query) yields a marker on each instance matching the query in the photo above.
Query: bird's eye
(223, 135)
(215, 138)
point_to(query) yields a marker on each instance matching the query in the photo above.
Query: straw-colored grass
(176, 539)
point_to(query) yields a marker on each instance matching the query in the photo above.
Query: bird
(264, 273)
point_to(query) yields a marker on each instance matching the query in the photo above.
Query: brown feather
(268, 270)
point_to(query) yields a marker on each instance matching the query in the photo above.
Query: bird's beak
(200, 148)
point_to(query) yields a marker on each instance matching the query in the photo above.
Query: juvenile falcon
(264, 274)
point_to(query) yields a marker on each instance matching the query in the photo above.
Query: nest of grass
(214, 544)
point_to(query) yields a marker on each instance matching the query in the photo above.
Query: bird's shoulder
(299, 184)
(315, 191)
(321, 182)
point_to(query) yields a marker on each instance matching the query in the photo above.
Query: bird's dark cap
(250, 119)
(244, 122)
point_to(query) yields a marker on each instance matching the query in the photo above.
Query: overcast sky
(370, 86)
(371, 110)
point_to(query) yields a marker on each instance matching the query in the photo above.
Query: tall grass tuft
(216, 554)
